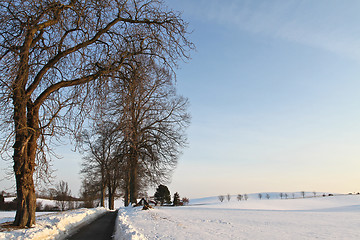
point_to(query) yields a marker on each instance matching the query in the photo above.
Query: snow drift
(55, 225)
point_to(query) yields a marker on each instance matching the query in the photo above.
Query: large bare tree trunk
(26, 134)
(102, 203)
(103, 189)
(133, 188)
(111, 198)
(26, 205)
(127, 191)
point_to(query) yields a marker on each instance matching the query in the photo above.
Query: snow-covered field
(336, 217)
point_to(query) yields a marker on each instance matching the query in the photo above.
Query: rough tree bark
(133, 181)
(27, 133)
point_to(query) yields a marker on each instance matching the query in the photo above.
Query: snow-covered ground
(336, 217)
(51, 226)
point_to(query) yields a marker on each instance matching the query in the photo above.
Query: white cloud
(329, 25)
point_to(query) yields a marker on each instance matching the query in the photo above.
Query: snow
(123, 229)
(52, 226)
(336, 217)
(331, 217)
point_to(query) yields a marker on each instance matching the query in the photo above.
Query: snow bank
(123, 228)
(55, 225)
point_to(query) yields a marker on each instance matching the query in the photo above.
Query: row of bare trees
(137, 141)
(58, 58)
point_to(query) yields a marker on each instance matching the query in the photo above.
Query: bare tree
(228, 197)
(267, 196)
(239, 197)
(281, 195)
(89, 191)
(260, 196)
(56, 56)
(63, 195)
(303, 194)
(221, 198)
(185, 200)
(152, 119)
(246, 197)
(104, 159)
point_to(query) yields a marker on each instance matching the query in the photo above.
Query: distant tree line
(241, 197)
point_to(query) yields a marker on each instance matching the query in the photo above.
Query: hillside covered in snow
(334, 217)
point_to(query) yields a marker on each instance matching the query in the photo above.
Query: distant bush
(2, 200)
(246, 197)
(8, 206)
(49, 208)
(221, 198)
(89, 203)
(185, 201)
(39, 206)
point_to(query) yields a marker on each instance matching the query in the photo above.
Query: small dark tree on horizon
(185, 200)
(228, 197)
(303, 194)
(176, 200)
(260, 196)
(267, 196)
(239, 197)
(246, 197)
(162, 194)
(221, 198)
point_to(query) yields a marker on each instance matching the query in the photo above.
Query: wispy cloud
(329, 25)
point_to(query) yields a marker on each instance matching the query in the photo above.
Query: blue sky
(274, 98)
(274, 92)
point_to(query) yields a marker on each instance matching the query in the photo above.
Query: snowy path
(102, 228)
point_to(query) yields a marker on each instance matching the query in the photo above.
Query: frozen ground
(335, 217)
(51, 226)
